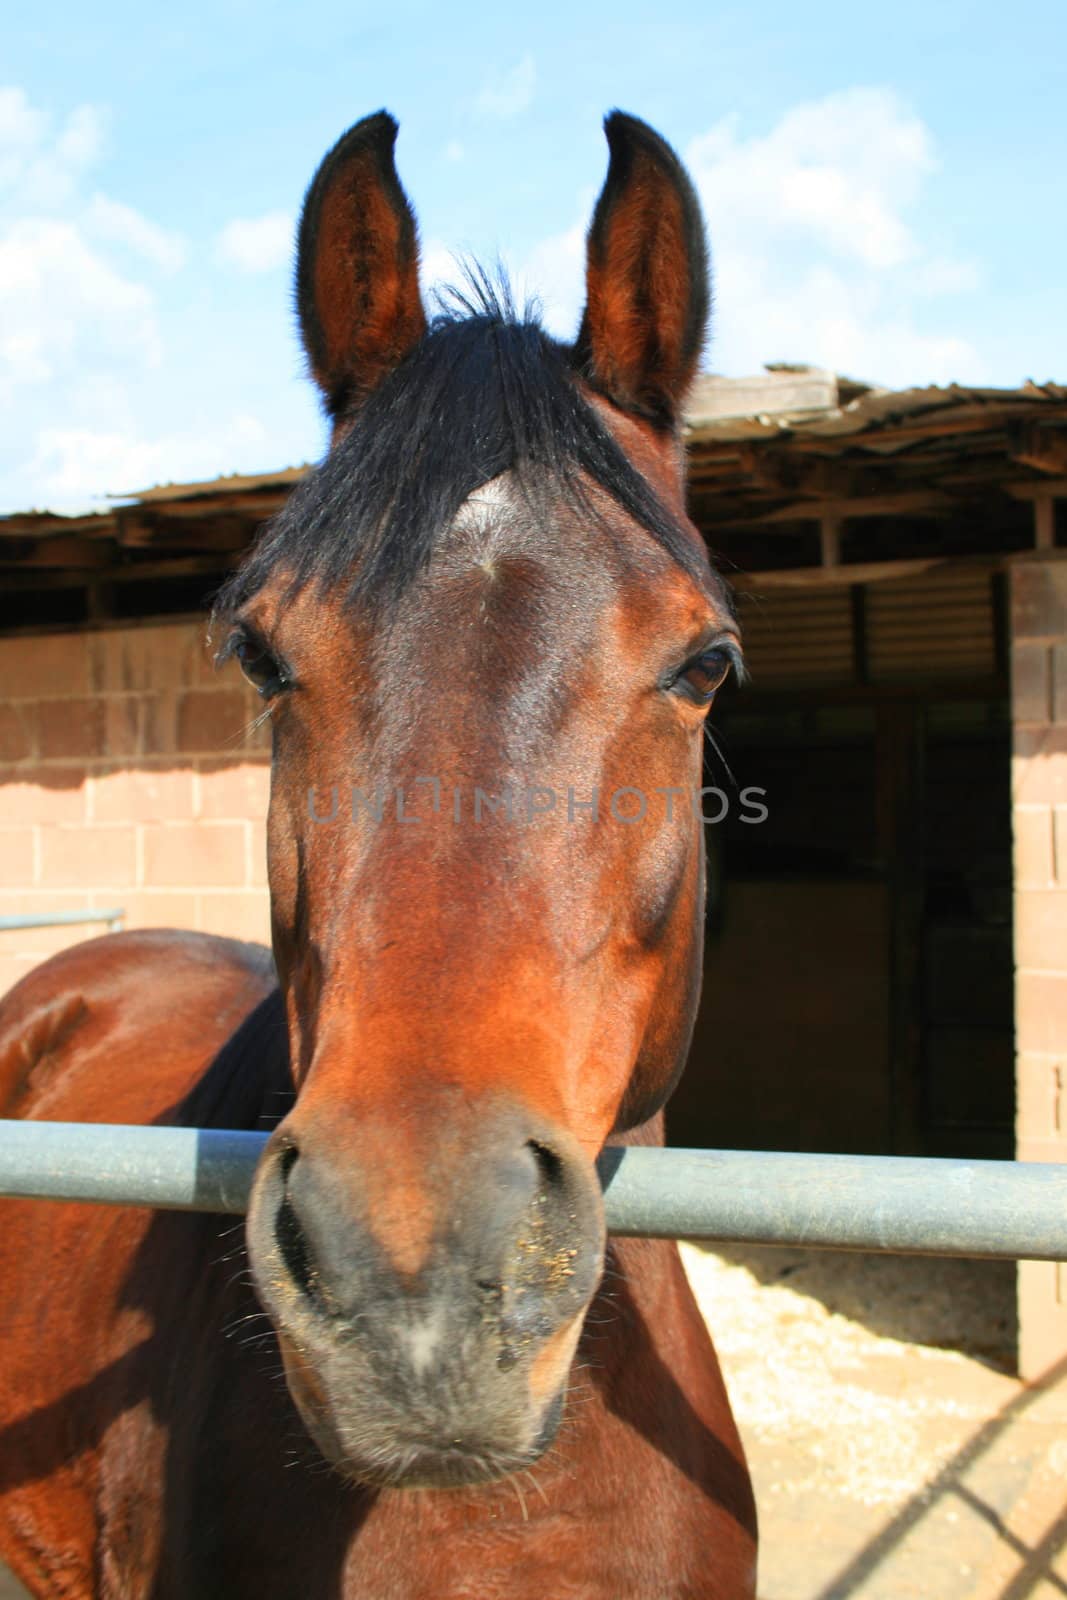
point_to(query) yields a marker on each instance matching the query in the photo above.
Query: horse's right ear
(357, 269)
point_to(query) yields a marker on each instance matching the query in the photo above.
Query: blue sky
(884, 190)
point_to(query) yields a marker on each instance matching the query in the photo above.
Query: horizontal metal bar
(173, 1169)
(62, 919)
(1011, 1210)
(1007, 1209)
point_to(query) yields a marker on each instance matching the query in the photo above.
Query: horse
(487, 637)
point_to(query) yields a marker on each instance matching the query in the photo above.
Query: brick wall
(131, 774)
(1039, 811)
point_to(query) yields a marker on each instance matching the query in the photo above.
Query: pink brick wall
(130, 775)
(1039, 800)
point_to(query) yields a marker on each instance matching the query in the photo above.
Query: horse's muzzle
(427, 1316)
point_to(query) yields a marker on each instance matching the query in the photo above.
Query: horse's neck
(646, 1133)
(248, 1084)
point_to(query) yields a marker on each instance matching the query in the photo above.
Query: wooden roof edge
(234, 483)
(846, 574)
(878, 413)
(233, 494)
(33, 524)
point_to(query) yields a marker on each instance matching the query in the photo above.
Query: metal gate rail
(114, 917)
(917, 1206)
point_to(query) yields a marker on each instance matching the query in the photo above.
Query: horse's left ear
(357, 270)
(646, 276)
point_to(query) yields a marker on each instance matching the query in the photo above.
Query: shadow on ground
(967, 1306)
(1020, 1566)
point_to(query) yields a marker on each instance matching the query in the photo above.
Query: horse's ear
(357, 270)
(646, 276)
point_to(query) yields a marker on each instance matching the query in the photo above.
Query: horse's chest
(490, 1553)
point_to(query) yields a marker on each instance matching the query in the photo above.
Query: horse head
(488, 637)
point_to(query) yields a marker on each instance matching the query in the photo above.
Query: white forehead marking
(496, 495)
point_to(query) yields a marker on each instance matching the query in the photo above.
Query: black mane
(486, 391)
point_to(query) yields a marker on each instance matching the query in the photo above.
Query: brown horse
(488, 638)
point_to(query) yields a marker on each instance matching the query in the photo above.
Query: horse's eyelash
(228, 649)
(738, 664)
(243, 634)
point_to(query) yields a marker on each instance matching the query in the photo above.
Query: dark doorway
(858, 978)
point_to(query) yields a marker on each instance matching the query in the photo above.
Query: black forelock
(486, 391)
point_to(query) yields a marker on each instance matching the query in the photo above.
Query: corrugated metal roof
(811, 404)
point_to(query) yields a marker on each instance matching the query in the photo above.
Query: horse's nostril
(294, 1248)
(549, 1165)
(292, 1241)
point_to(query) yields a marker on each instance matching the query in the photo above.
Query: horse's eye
(700, 678)
(264, 673)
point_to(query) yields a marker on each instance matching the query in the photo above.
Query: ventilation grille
(798, 636)
(940, 625)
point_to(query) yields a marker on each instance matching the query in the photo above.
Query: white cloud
(39, 168)
(507, 93)
(258, 244)
(64, 308)
(839, 171)
(438, 266)
(454, 150)
(81, 138)
(816, 255)
(936, 275)
(553, 274)
(121, 224)
(67, 309)
(76, 467)
(833, 319)
(21, 131)
(79, 319)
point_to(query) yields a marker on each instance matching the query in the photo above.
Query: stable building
(887, 949)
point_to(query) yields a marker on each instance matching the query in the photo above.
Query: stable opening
(858, 974)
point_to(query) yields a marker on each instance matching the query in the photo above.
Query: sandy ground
(894, 1456)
